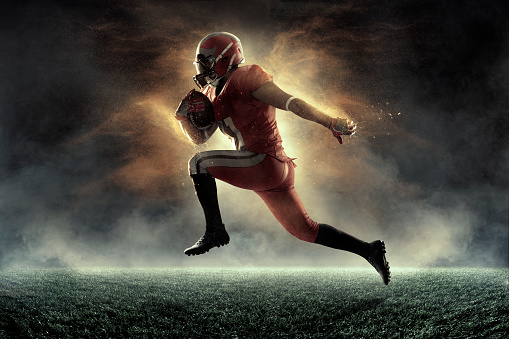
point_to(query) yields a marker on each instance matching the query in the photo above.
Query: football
(197, 107)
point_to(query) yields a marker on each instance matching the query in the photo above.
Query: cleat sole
(378, 261)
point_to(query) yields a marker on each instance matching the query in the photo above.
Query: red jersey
(250, 124)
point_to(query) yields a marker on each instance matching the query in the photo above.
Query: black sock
(332, 237)
(206, 191)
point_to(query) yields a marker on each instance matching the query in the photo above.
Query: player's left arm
(270, 94)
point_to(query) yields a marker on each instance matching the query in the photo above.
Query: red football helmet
(216, 54)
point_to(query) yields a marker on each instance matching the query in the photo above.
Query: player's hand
(342, 126)
(188, 105)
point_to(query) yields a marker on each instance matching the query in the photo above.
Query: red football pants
(270, 178)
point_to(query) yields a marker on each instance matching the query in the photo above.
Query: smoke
(93, 168)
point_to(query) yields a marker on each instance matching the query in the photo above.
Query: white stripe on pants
(226, 158)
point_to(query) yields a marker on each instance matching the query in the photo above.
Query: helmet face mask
(216, 54)
(205, 69)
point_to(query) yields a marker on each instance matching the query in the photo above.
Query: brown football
(201, 111)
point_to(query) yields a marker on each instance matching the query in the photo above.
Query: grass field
(253, 303)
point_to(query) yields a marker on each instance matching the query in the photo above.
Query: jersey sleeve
(251, 79)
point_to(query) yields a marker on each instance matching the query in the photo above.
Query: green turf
(253, 303)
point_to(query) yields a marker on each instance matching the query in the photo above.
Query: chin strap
(216, 82)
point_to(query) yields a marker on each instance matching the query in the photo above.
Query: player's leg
(288, 209)
(373, 252)
(240, 168)
(286, 206)
(215, 232)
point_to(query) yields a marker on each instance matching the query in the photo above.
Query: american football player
(245, 99)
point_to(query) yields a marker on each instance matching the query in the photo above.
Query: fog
(93, 167)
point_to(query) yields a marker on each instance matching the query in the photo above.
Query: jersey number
(228, 128)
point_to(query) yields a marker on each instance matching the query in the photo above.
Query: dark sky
(93, 168)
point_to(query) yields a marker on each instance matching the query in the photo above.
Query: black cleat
(377, 259)
(211, 238)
